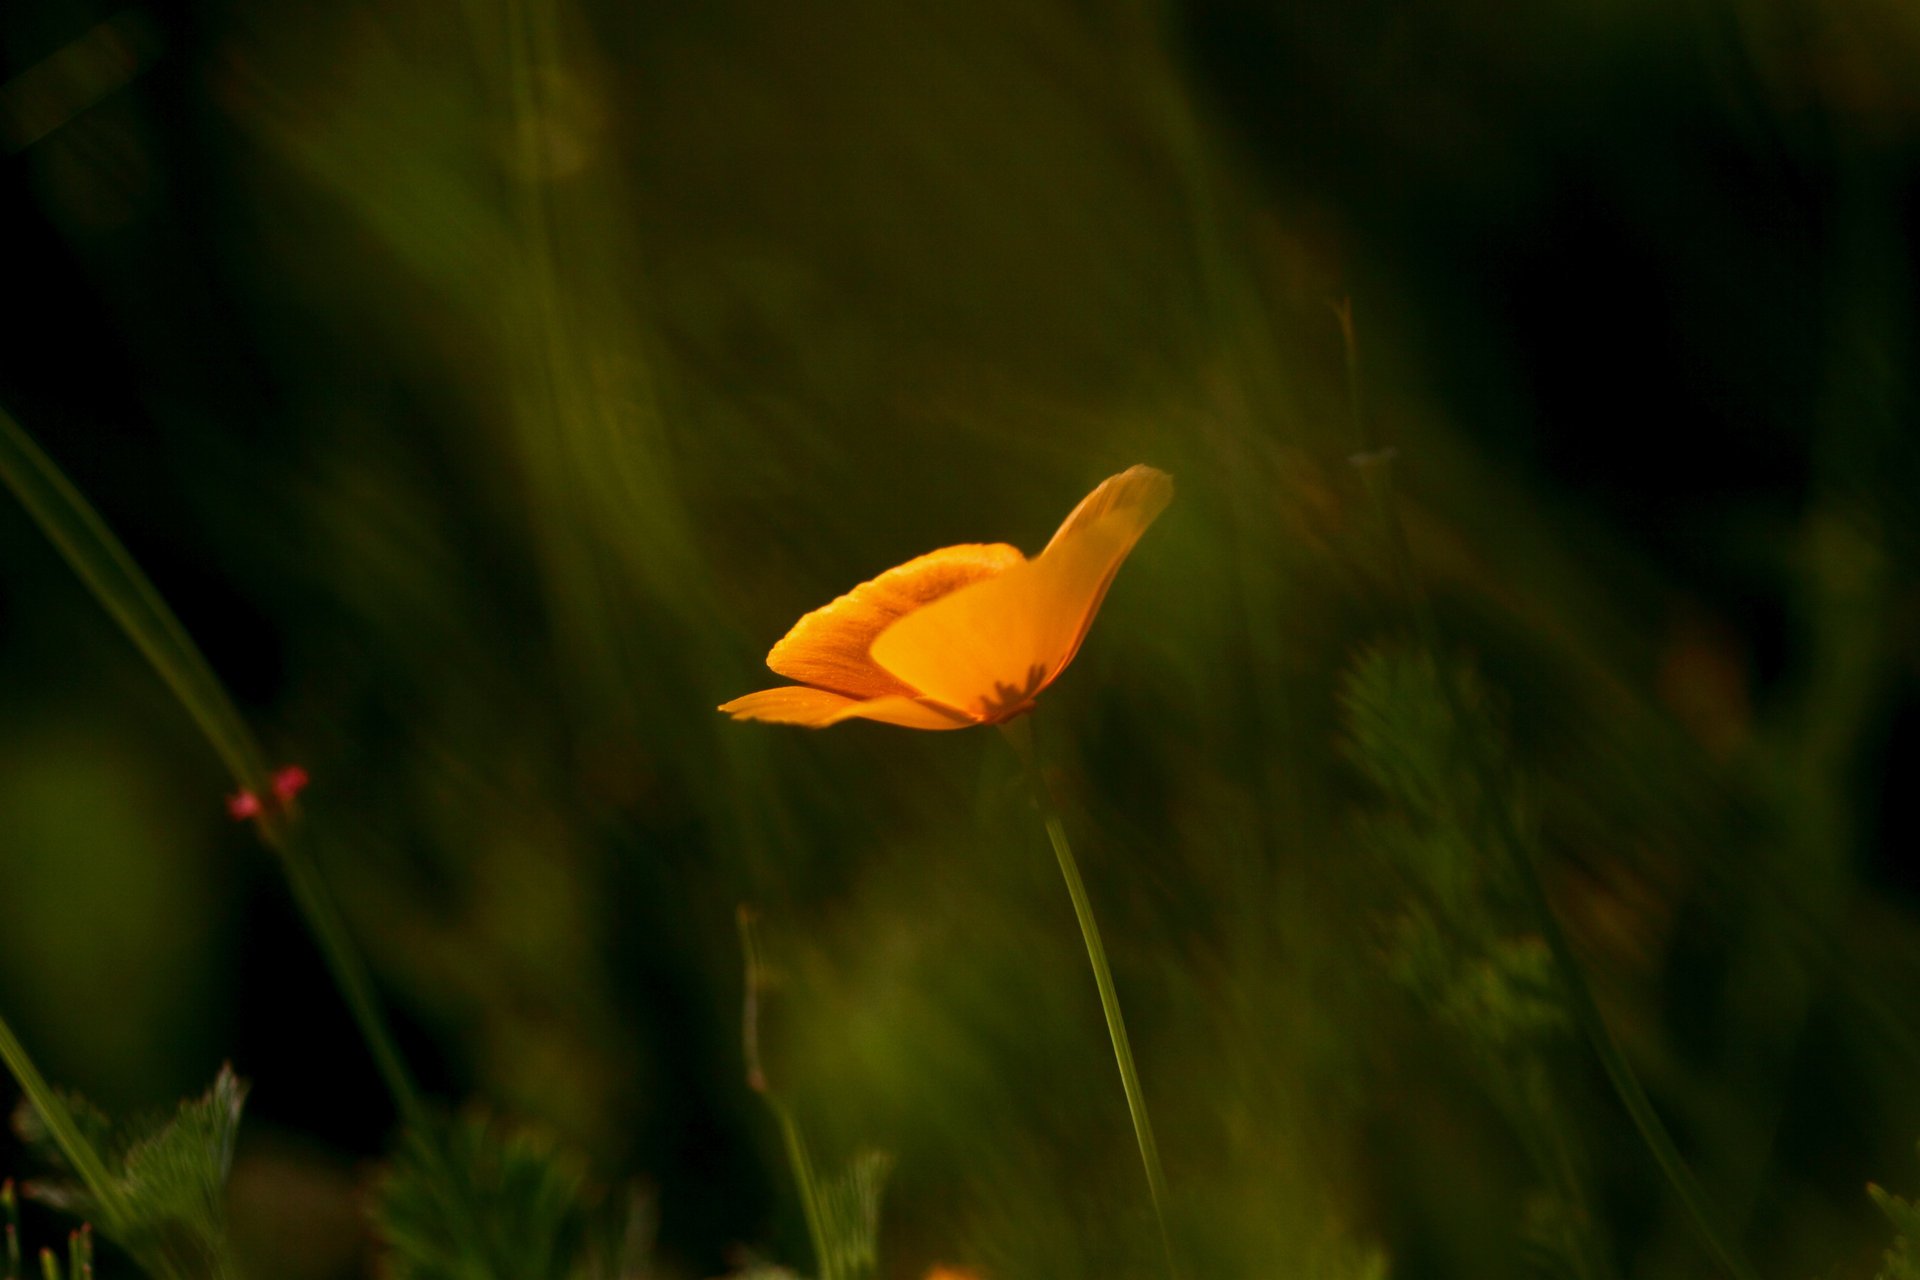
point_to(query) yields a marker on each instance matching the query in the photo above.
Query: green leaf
(1899, 1262)
(170, 1177)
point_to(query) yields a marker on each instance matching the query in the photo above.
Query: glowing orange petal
(1139, 488)
(830, 646)
(818, 708)
(989, 648)
(1125, 504)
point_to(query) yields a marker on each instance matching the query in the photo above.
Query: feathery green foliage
(479, 1198)
(1455, 934)
(850, 1216)
(1902, 1259)
(169, 1179)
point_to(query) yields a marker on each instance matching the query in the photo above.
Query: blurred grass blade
(89, 546)
(86, 1162)
(97, 556)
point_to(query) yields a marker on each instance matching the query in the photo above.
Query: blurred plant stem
(54, 1113)
(1375, 466)
(10, 1225)
(97, 556)
(1019, 734)
(798, 1157)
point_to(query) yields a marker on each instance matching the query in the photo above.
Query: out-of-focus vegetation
(485, 386)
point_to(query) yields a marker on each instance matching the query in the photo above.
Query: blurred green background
(488, 384)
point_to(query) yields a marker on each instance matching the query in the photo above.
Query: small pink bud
(242, 806)
(289, 782)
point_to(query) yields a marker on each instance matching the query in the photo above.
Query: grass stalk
(1019, 733)
(110, 573)
(799, 1159)
(86, 1162)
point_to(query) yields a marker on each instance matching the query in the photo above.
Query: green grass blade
(87, 545)
(87, 1163)
(97, 556)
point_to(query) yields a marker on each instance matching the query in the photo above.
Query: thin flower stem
(798, 1158)
(802, 1164)
(85, 1161)
(1019, 733)
(80, 1254)
(344, 963)
(1374, 464)
(102, 562)
(10, 1227)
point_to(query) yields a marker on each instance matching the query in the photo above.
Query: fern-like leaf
(1899, 1262)
(483, 1199)
(170, 1175)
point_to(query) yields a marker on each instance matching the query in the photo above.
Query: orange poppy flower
(964, 635)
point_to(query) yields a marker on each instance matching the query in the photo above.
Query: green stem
(10, 1227)
(80, 1256)
(85, 1161)
(102, 562)
(344, 963)
(798, 1158)
(1019, 733)
(802, 1164)
(1374, 464)
(1626, 1083)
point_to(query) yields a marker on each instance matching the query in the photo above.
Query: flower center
(1007, 699)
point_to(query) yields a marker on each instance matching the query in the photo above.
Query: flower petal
(818, 708)
(830, 647)
(989, 648)
(1124, 504)
(1139, 488)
